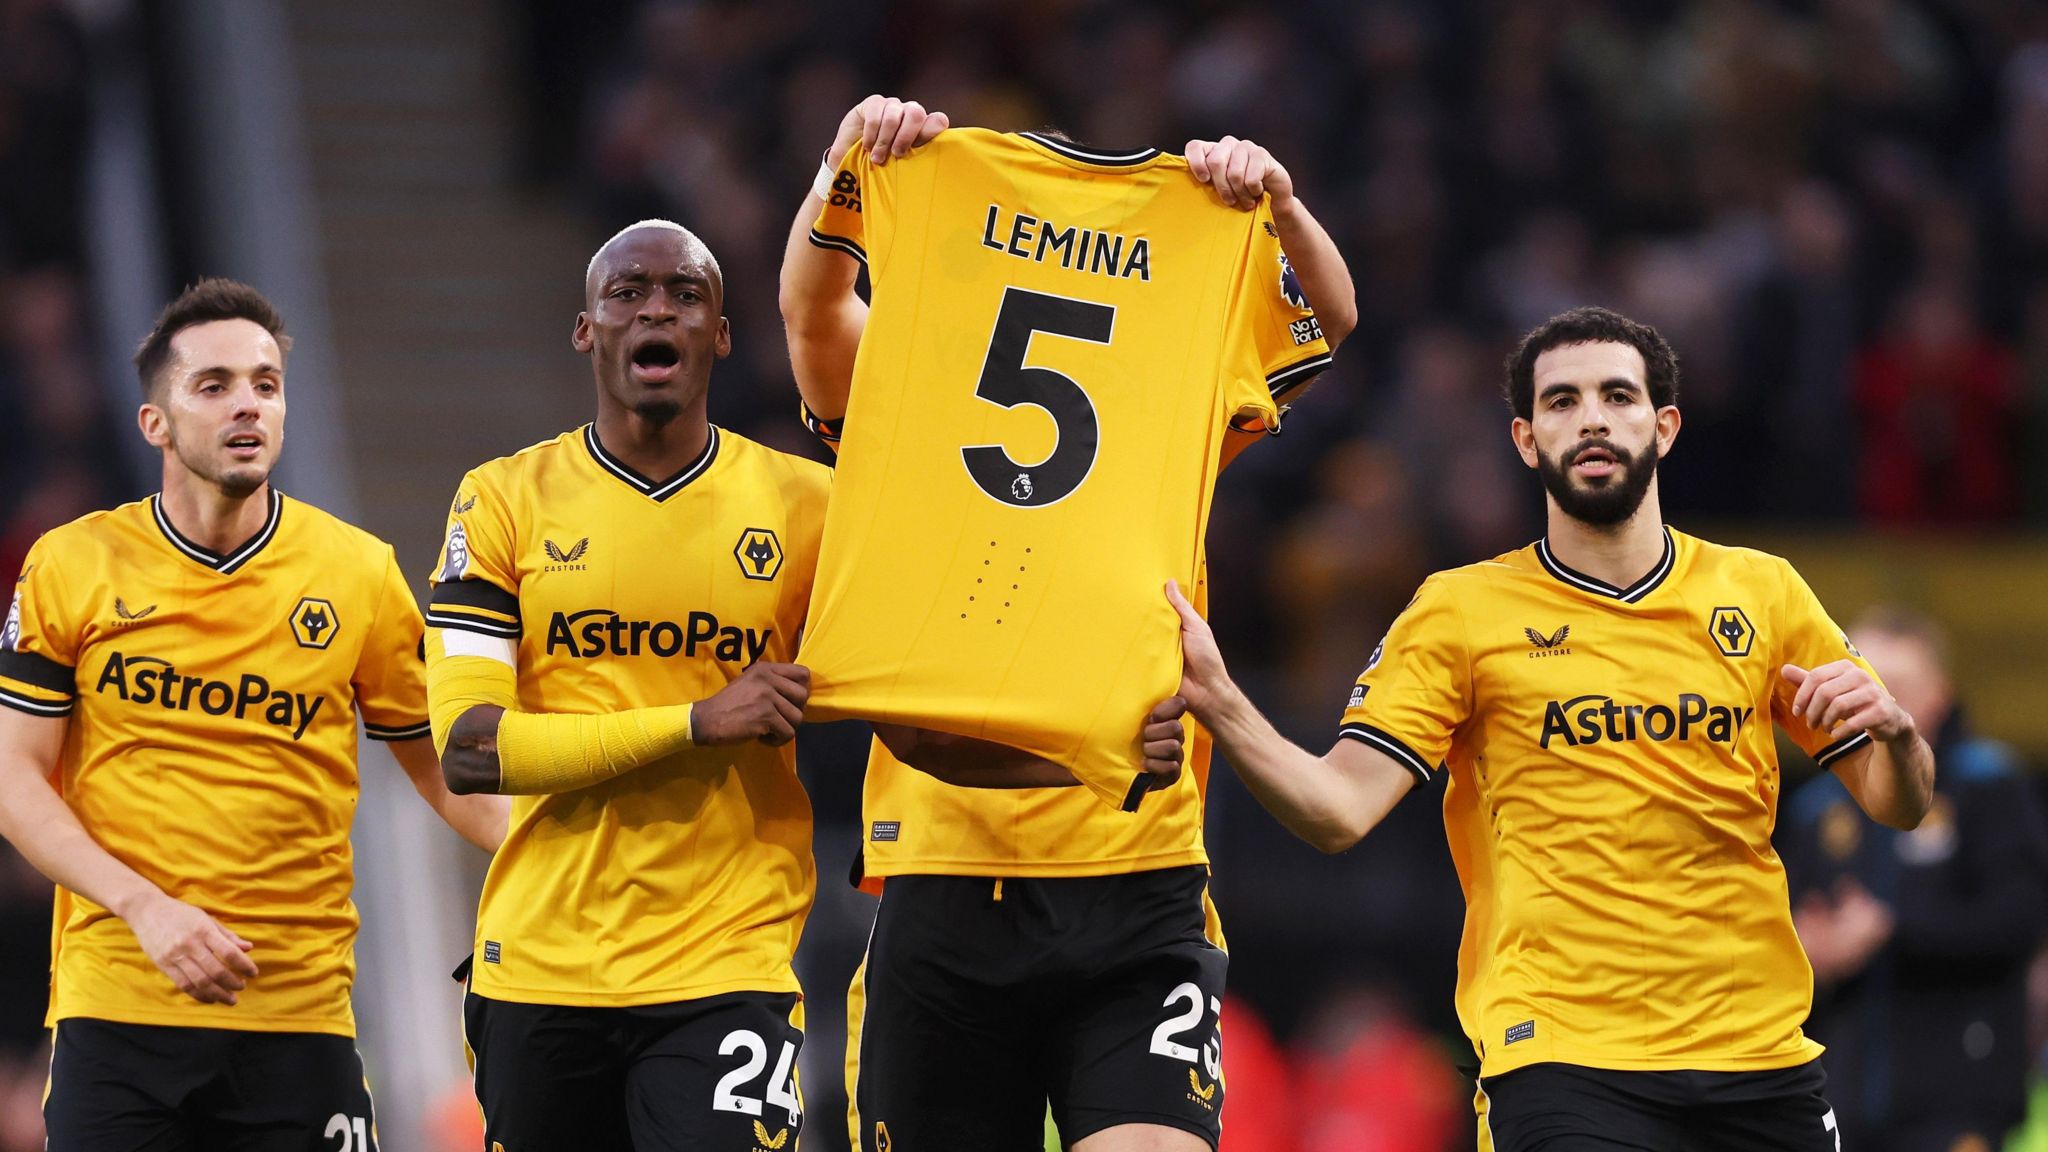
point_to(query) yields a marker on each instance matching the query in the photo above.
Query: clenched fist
(766, 703)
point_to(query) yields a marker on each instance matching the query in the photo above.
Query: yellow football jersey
(1057, 341)
(913, 824)
(212, 742)
(1613, 786)
(689, 877)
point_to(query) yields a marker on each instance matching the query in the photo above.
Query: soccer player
(959, 1035)
(1602, 702)
(612, 627)
(182, 678)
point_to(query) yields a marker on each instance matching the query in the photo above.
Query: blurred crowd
(57, 457)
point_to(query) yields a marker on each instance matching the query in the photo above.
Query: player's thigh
(1784, 1110)
(547, 1076)
(288, 1092)
(1566, 1108)
(120, 1087)
(716, 1074)
(1140, 1047)
(941, 1058)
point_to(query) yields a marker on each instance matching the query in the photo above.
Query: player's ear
(155, 425)
(579, 336)
(1667, 429)
(1523, 434)
(722, 346)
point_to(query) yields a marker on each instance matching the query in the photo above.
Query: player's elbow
(1334, 832)
(1338, 322)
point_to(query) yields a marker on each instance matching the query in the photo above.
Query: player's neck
(1619, 554)
(209, 517)
(653, 450)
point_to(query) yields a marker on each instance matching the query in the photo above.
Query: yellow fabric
(1613, 786)
(549, 752)
(914, 824)
(455, 684)
(212, 743)
(691, 876)
(992, 566)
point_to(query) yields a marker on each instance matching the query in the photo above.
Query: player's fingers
(1828, 682)
(780, 731)
(231, 951)
(1255, 170)
(787, 710)
(1221, 157)
(1197, 155)
(1188, 617)
(1170, 709)
(1163, 750)
(886, 126)
(906, 133)
(934, 123)
(208, 981)
(1163, 730)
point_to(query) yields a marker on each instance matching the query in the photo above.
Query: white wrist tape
(821, 184)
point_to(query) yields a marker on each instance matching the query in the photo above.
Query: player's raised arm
(1240, 171)
(822, 315)
(1330, 800)
(205, 960)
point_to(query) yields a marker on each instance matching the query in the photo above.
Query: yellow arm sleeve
(541, 752)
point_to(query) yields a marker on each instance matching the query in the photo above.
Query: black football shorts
(1568, 1108)
(707, 1075)
(983, 1001)
(151, 1088)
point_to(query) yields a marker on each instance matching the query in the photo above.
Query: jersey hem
(636, 999)
(127, 1014)
(1807, 1050)
(926, 866)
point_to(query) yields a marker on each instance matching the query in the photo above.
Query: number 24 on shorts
(781, 1090)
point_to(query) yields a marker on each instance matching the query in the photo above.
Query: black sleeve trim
(34, 706)
(827, 430)
(1386, 742)
(39, 671)
(1295, 375)
(1840, 748)
(474, 593)
(840, 244)
(408, 732)
(472, 624)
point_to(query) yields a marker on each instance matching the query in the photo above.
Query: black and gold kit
(1613, 785)
(212, 703)
(686, 880)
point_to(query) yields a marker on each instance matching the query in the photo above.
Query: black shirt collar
(1629, 595)
(222, 562)
(657, 490)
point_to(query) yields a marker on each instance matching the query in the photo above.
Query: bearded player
(183, 678)
(1603, 703)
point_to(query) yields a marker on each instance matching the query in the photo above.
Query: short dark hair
(214, 298)
(1589, 326)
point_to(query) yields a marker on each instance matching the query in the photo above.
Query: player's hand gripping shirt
(1613, 786)
(691, 876)
(1056, 343)
(212, 742)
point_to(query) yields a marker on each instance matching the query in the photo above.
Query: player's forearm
(1319, 266)
(479, 818)
(822, 315)
(493, 750)
(969, 763)
(1306, 793)
(1898, 781)
(48, 834)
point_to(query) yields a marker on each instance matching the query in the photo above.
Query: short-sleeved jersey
(1057, 342)
(914, 824)
(212, 742)
(691, 876)
(1613, 787)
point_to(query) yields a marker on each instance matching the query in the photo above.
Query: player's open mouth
(245, 446)
(655, 363)
(1595, 462)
